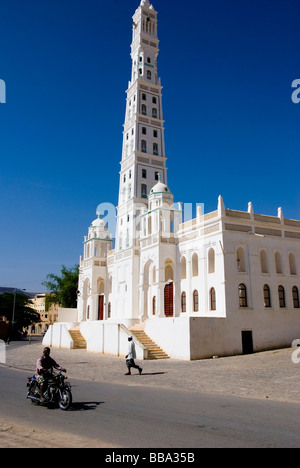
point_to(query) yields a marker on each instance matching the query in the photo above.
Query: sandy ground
(15, 435)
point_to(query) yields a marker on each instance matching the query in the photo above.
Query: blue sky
(231, 126)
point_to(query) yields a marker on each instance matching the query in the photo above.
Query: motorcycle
(56, 390)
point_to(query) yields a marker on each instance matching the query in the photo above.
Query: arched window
(240, 259)
(278, 263)
(154, 113)
(143, 191)
(211, 261)
(195, 301)
(155, 149)
(293, 269)
(267, 296)
(183, 302)
(281, 296)
(144, 109)
(242, 295)
(168, 272)
(149, 75)
(264, 262)
(195, 264)
(296, 297)
(183, 268)
(212, 299)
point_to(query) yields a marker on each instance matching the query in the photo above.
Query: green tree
(24, 314)
(63, 288)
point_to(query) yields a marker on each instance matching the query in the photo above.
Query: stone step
(154, 351)
(78, 340)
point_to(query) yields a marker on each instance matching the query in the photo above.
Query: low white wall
(58, 335)
(67, 315)
(171, 334)
(109, 338)
(223, 337)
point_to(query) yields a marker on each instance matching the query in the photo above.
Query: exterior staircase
(78, 340)
(154, 351)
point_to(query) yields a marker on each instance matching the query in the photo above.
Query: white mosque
(223, 283)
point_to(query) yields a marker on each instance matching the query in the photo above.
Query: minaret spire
(143, 153)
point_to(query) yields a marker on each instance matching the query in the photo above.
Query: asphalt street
(138, 416)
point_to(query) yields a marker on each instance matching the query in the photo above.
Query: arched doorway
(100, 290)
(101, 307)
(168, 299)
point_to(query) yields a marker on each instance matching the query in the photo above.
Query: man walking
(131, 356)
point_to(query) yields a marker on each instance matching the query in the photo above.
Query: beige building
(48, 314)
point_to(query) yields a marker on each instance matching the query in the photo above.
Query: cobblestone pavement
(270, 374)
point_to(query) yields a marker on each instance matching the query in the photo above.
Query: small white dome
(160, 188)
(99, 223)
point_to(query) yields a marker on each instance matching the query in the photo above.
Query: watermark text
(296, 93)
(296, 353)
(2, 352)
(2, 92)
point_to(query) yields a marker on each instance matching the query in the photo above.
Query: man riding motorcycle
(44, 366)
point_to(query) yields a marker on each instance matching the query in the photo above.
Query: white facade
(226, 282)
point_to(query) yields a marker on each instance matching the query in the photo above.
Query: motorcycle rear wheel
(66, 400)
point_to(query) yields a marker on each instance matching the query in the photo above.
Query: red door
(169, 300)
(100, 307)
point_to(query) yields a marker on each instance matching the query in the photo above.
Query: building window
(149, 75)
(144, 109)
(154, 305)
(143, 191)
(240, 259)
(212, 299)
(278, 263)
(296, 297)
(211, 261)
(183, 302)
(144, 173)
(154, 113)
(267, 296)
(144, 146)
(144, 97)
(195, 301)
(264, 262)
(293, 269)
(195, 264)
(155, 133)
(155, 149)
(281, 296)
(183, 268)
(144, 130)
(242, 295)
(109, 310)
(156, 175)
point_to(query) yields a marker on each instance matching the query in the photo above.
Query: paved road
(138, 416)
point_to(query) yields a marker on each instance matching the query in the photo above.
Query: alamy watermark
(296, 94)
(2, 92)
(296, 353)
(140, 226)
(2, 352)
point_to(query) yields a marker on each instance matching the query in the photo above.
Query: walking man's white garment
(131, 356)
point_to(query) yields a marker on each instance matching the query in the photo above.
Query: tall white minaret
(143, 154)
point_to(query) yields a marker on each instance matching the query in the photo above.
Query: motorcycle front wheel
(65, 400)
